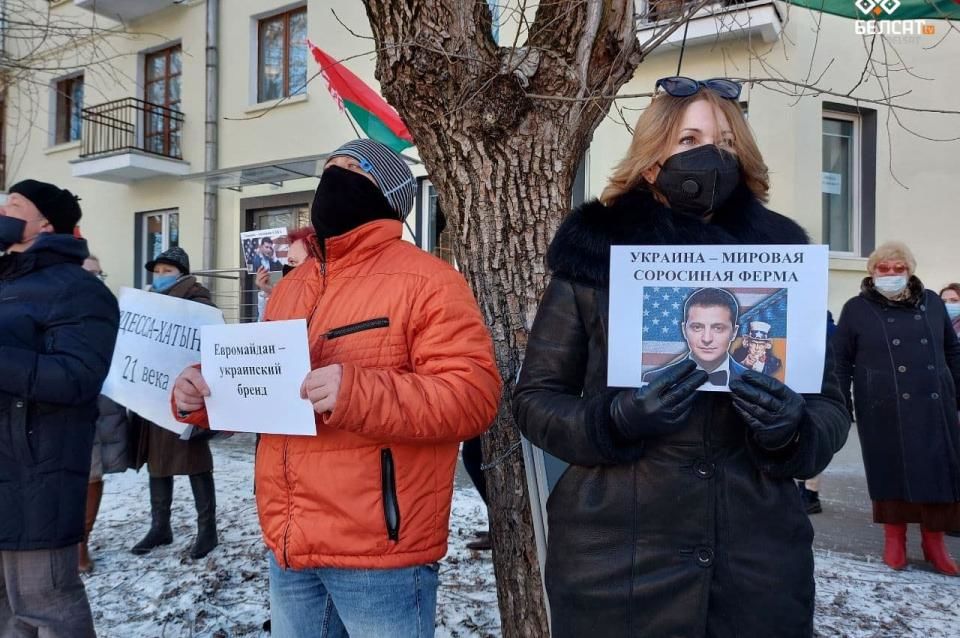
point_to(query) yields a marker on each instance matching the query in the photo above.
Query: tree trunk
(503, 164)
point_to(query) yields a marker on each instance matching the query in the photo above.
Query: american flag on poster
(663, 340)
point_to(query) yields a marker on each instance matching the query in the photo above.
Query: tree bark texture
(503, 164)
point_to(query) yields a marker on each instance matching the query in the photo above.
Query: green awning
(886, 9)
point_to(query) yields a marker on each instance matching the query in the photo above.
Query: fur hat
(175, 256)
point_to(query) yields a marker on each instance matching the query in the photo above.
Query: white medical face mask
(892, 285)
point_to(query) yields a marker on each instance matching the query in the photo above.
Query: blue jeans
(328, 602)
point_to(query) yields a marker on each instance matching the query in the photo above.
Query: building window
(162, 74)
(156, 232)
(69, 96)
(282, 59)
(840, 182)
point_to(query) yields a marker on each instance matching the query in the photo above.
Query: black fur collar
(580, 251)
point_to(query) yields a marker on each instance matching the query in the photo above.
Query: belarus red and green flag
(371, 112)
(886, 9)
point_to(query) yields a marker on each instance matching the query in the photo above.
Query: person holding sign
(299, 241)
(58, 327)
(896, 345)
(166, 454)
(678, 515)
(357, 516)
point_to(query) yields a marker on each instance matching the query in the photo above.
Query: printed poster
(728, 308)
(265, 249)
(159, 336)
(254, 372)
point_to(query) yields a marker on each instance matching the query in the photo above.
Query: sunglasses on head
(679, 86)
(896, 269)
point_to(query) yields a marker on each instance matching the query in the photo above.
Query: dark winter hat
(58, 205)
(175, 256)
(388, 168)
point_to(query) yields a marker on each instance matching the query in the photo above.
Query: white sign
(254, 372)
(159, 336)
(265, 249)
(728, 308)
(831, 183)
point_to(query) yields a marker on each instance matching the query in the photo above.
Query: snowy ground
(166, 595)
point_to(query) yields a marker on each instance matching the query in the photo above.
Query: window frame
(261, 23)
(170, 126)
(141, 250)
(64, 109)
(856, 184)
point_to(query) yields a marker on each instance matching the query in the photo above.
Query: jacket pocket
(18, 431)
(388, 485)
(349, 329)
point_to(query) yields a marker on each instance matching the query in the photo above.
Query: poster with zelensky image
(728, 308)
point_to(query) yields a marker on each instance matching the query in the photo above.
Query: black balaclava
(345, 200)
(699, 181)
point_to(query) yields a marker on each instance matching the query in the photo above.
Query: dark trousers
(472, 455)
(42, 596)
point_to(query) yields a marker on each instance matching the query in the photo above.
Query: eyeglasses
(896, 269)
(679, 86)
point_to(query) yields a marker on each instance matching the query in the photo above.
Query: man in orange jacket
(403, 370)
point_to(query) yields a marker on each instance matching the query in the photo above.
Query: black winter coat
(58, 327)
(700, 533)
(904, 362)
(113, 425)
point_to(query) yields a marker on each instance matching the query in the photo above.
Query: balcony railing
(657, 10)
(131, 124)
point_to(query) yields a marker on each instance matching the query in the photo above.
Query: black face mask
(287, 269)
(11, 231)
(700, 180)
(345, 200)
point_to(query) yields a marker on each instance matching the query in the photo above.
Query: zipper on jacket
(391, 509)
(369, 324)
(286, 529)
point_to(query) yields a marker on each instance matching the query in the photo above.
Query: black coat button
(890, 319)
(923, 307)
(917, 317)
(906, 395)
(924, 341)
(935, 396)
(705, 557)
(896, 342)
(902, 368)
(704, 469)
(930, 366)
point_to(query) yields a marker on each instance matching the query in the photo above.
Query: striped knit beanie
(392, 174)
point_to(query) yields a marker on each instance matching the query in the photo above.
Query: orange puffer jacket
(373, 488)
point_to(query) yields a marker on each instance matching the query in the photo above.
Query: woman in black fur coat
(678, 515)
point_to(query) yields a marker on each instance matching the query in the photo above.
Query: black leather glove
(660, 407)
(771, 410)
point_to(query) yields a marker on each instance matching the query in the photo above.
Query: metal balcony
(123, 10)
(721, 20)
(130, 139)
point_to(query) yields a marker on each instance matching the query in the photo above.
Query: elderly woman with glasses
(896, 345)
(678, 515)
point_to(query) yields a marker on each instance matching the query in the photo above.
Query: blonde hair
(892, 250)
(659, 124)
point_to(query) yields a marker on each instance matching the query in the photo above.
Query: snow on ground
(166, 595)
